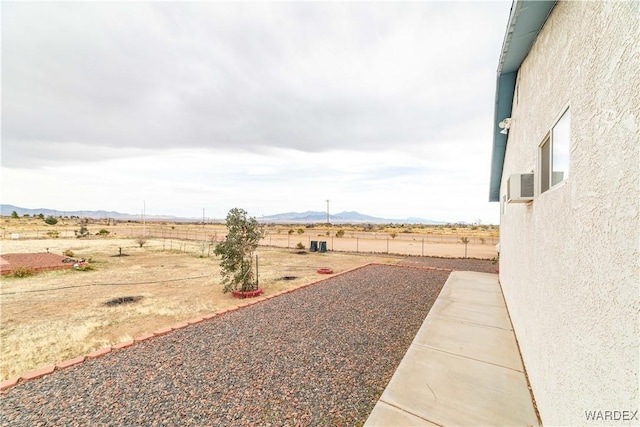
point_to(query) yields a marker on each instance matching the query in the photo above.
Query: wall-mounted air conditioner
(520, 188)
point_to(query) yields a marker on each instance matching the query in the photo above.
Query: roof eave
(526, 19)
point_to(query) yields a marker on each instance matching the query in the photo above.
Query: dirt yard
(416, 239)
(57, 315)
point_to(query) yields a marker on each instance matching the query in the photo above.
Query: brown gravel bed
(35, 261)
(457, 264)
(321, 355)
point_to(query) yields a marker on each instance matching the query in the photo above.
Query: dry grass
(32, 227)
(54, 316)
(58, 315)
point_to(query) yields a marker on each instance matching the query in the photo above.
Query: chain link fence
(202, 240)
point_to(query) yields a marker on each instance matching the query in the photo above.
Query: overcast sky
(383, 108)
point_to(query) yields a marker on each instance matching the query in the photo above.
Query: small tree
(465, 240)
(14, 215)
(236, 251)
(141, 241)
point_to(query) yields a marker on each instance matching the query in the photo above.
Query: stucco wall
(570, 259)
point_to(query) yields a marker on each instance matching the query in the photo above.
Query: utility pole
(327, 211)
(144, 224)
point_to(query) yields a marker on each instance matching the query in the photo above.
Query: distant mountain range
(289, 217)
(6, 210)
(342, 217)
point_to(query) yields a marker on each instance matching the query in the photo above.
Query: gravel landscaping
(321, 355)
(460, 264)
(35, 262)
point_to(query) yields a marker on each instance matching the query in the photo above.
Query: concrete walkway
(463, 367)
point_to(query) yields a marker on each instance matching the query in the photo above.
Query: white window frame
(547, 152)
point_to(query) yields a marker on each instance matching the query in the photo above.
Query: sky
(384, 108)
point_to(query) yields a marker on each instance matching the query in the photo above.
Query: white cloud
(385, 108)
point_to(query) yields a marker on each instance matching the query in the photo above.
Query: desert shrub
(68, 252)
(290, 231)
(300, 230)
(140, 241)
(50, 220)
(102, 232)
(300, 245)
(14, 215)
(54, 234)
(482, 240)
(23, 272)
(340, 233)
(83, 232)
(393, 234)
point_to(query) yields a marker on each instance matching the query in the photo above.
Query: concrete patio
(463, 366)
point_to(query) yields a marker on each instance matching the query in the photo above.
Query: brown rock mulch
(35, 261)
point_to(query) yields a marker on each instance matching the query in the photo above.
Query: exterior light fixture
(505, 125)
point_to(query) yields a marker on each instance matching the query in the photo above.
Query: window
(545, 163)
(554, 154)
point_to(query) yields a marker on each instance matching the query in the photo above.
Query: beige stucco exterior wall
(569, 263)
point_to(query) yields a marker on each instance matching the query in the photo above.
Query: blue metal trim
(525, 22)
(504, 101)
